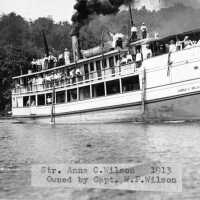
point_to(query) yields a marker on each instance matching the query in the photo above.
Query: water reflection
(22, 145)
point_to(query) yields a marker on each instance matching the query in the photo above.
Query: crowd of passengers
(50, 61)
(47, 80)
(71, 76)
(137, 56)
(180, 45)
(144, 52)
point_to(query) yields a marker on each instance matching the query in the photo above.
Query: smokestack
(75, 47)
(75, 42)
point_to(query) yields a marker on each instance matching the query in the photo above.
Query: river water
(22, 145)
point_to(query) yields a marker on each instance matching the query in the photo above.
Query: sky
(59, 10)
(62, 10)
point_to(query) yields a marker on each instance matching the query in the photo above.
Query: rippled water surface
(22, 145)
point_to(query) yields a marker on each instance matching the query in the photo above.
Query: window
(14, 102)
(111, 62)
(98, 68)
(72, 95)
(49, 98)
(98, 90)
(41, 99)
(19, 102)
(60, 97)
(86, 70)
(117, 58)
(130, 84)
(98, 65)
(113, 87)
(104, 63)
(33, 101)
(91, 67)
(84, 93)
(26, 101)
(17, 83)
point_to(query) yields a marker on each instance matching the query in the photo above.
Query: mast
(131, 14)
(102, 50)
(46, 48)
(131, 24)
(102, 47)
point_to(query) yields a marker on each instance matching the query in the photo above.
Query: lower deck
(178, 101)
(117, 83)
(183, 107)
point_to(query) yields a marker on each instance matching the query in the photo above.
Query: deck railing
(103, 74)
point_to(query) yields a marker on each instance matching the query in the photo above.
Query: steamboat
(145, 79)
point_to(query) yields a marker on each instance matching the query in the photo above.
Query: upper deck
(101, 67)
(85, 70)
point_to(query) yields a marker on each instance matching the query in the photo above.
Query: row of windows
(101, 64)
(97, 90)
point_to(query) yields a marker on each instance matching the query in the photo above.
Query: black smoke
(86, 8)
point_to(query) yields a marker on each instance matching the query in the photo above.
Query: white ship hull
(171, 93)
(170, 104)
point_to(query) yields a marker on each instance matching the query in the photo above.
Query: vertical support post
(105, 90)
(78, 97)
(45, 99)
(104, 73)
(36, 100)
(101, 66)
(53, 102)
(29, 100)
(120, 85)
(91, 93)
(66, 96)
(53, 107)
(143, 90)
(119, 62)
(95, 71)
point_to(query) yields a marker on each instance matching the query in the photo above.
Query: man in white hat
(67, 56)
(172, 46)
(134, 31)
(144, 30)
(117, 39)
(187, 42)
